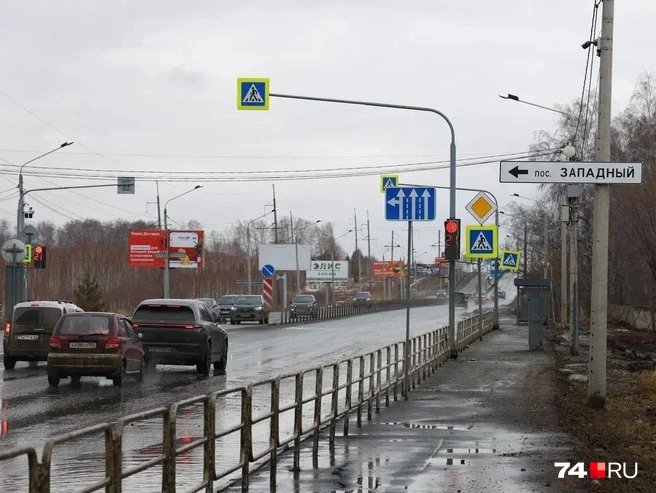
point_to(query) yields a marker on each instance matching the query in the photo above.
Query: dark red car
(95, 344)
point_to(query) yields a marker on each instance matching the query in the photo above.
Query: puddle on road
(424, 425)
(463, 451)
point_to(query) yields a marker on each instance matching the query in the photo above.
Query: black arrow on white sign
(516, 172)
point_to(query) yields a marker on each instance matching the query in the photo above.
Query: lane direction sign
(388, 181)
(268, 270)
(410, 204)
(481, 207)
(570, 172)
(510, 259)
(252, 93)
(481, 241)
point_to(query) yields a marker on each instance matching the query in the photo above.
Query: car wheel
(266, 320)
(220, 366)
(238, 322)
(120, 377)
(10, 362)
(53, 379)
(203, 366)
(75, 379)
(232, 322)
(140, 376)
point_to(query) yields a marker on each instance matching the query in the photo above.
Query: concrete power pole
(355, 217)
(275, 217)
(599, 294)
(371, 265)
(564, 291)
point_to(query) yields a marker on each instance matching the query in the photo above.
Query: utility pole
(275, 216)
(564, 291)
(391, 281)
(369, 254)
(159, 214)
(574, 275)
(599, 294)
(525, 252)
(355, 217)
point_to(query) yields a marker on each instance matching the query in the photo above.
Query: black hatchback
(181, 332)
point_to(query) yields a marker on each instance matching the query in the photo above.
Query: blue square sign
(410, 204)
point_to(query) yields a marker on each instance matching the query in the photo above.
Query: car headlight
(258, 307)
(233, 308)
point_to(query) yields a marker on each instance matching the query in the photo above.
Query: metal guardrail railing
(327, 312)
(325, 397)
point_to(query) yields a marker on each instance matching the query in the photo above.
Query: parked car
(461, 300)
(304, 305)
(181, 332)
(27, 336)
(362, 297)
(249, 308)
(214, 307)
(226, 302)
(95, 344)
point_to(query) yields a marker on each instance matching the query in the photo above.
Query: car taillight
(112, 343)
(135, 325)
(7, 329)
(55, 342)
(194, 326)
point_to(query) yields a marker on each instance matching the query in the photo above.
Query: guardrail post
(168, 442)
(379, 370)
(413, 363)
(298, 421)
(334, 406)
(274, 432)
(209, 448)
(113, 457)
(349, 390)
(370, 404)
(317, 416)
(388, 370)
(246, 450)
(40, 481)
(360, 392)
(396, 371)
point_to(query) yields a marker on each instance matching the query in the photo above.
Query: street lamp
(295, 240)
(20, 218)
(332, 262)
(167, 241)
(513, 97)
(545, 272)
(248, 247)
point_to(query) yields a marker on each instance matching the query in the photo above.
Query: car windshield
(85, 325)
(169, 313)
(363, 294)
(30, 317)
(249, 301)
(227, 300)
(303, 299)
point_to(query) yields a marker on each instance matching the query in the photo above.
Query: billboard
(283, 257)
(146, 248)
(389, 269)
(322, 271)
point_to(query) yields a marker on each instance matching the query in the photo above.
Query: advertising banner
(389, 269)
(322, 271)
(146, 248)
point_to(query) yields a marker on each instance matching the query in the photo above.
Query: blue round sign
(268, 270)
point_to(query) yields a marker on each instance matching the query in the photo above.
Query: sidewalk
(483, 423)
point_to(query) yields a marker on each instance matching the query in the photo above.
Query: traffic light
(39, 254)
(452, 239)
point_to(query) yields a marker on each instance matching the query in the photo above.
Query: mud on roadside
(625, 431)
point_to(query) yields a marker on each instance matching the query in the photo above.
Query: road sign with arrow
(569, 172)
(410, 204)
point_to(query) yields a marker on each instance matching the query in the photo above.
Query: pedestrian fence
(245, 428)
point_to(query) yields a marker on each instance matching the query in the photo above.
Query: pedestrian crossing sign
(252, 93)
(481, 241)
(510, 259)
(388, 181)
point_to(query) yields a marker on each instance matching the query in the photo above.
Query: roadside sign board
(388, 181)
(481, 207)
(389, 269)
(252, 93)
(254, 282)
(322, 271)
(481, 241)
(146, 248)
(410, 204)
(510, 259)
(570, 172)
(125, 184)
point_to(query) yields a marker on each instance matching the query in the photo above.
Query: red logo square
(597, 470)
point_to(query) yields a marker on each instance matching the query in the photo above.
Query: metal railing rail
(357, 386)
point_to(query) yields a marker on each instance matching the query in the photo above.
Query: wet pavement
(482, 423)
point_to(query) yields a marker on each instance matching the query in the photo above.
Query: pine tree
(88, 294)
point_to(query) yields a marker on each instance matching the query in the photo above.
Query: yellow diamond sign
(481, 207)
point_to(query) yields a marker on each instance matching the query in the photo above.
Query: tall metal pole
(295, 240)
(480, 300)
(248, 257)
(275, 217)
(599, 294)
(406, 359)
(525, 252)
(545, 272)
(497, 268)
(574, 274)
(564, 291)
(370, 261)
(391, 281)
(332, 271)
(166, 256)
(159, 213)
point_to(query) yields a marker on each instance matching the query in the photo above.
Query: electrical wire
(589, 58)
(42, 202)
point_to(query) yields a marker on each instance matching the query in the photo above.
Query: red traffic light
(38, 249)
(451, 227)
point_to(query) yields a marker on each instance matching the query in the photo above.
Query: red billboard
(146, 248)
(389, 269)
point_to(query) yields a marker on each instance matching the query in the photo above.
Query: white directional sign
(569, 172)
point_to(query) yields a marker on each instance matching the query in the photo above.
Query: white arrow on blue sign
(268, 270)
(410, 204)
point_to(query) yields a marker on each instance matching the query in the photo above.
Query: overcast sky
(151, 86)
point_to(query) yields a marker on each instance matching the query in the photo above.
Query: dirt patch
(625, 431)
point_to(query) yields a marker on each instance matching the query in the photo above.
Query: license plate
(28, 337)
(82, 345)
(160, 350)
